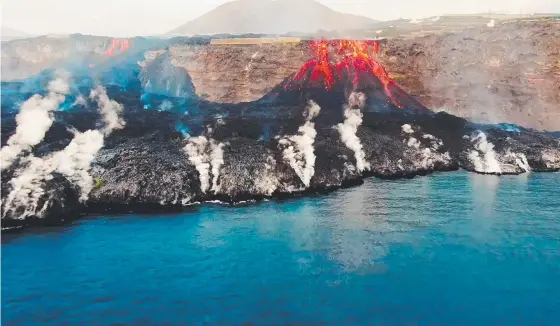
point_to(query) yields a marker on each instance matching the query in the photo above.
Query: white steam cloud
(166, 105)
(109, 109)
(483, 156)
(520, 160)
(216, 160)
(407, 129)
(267, 182)
(27, 188)
(300, 153)
(206, 155)
(428, 156)
(34, 120)
(349, 128)
(74, 162)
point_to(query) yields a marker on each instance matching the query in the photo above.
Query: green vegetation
(98, 183)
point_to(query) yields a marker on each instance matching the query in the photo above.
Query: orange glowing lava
(121, 45)
(353, 58)
(320, 66)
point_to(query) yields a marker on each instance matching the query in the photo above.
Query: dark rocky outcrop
(280, 145)
(144, 167)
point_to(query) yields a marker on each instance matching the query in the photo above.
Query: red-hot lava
(353, 57)
(320, 66)
(121, 45)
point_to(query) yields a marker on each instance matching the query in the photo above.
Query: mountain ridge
(270, 17)
(9, 34)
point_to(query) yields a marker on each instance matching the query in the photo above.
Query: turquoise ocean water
(446, 249)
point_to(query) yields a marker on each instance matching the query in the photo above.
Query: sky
(140, 17)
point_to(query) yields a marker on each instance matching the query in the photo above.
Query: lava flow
(122, 45)
(353, 57)
(320, 66)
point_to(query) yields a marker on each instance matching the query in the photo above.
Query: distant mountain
(12, 34)
(271, 17)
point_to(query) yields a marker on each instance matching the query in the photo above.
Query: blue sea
(446, 249)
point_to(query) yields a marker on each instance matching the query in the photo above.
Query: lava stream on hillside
(117, 45)
(338, 60)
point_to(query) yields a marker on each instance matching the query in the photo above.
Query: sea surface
(446, 249)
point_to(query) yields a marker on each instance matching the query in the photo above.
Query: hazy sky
(141, 17)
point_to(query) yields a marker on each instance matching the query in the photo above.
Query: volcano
(271, 17)
(336, 121)
(352, 66)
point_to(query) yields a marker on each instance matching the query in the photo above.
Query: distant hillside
(12, 34)
(271, 17)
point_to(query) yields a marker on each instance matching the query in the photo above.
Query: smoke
(300, 153)
(427, 156)
(267, 181)
(195, 151)
(487, 163)
(520, 160)
(357, 99)
(348, 129)
(27, 187)
(74, 162)
(206, 155)
(216, 161)
(413, 142)
(34, 120)
(110, 110)
(165, 105)
(406, 128)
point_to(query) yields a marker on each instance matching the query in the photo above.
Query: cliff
(133, 131)
(508, 73)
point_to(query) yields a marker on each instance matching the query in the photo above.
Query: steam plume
(488, 162)
(206, 155)
(34, 120)
(195, 150)
(348, 129)
(267, 181)
(425, 157)
(300, 153)
(110, 110)
(407, 129)
(74, 162)
(520, 160)
(216, 161)
(27, 188)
